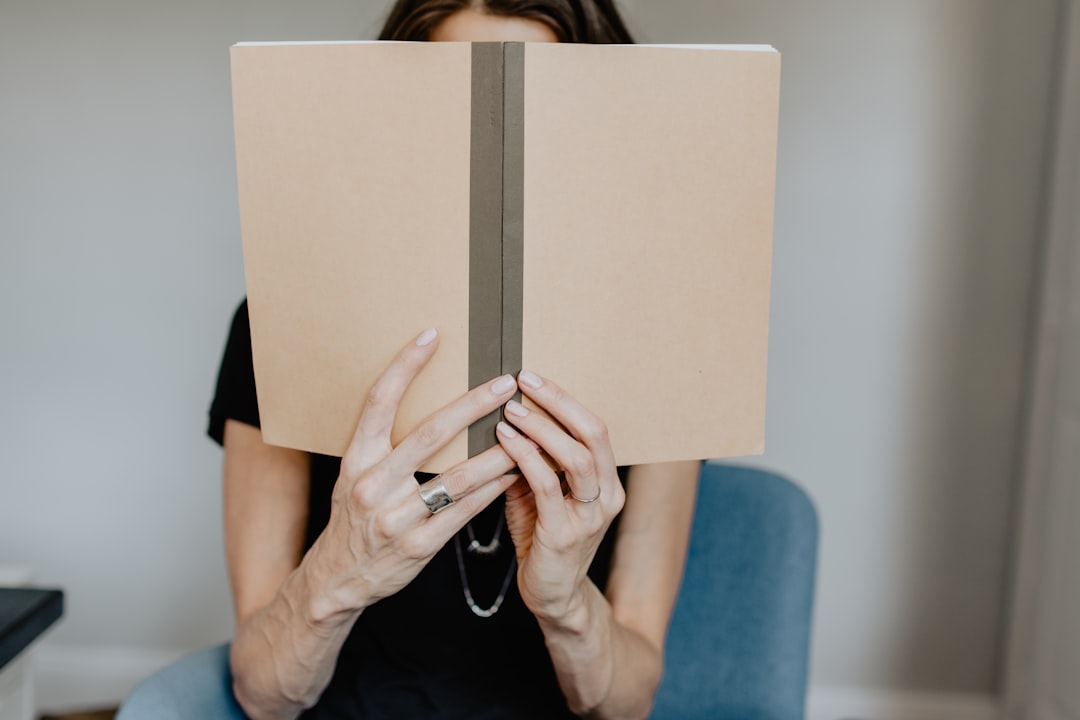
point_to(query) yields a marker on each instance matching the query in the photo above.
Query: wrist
(324, 602)
(575, 617)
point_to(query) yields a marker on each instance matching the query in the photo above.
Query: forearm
(605, 669)
(283, 656)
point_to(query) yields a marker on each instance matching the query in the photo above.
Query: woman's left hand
(556, 536)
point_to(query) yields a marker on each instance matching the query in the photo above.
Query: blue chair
(739, 641)
(738, 645)
(198, 685)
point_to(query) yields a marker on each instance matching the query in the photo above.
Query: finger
(442, 526)
(443, 426)
(518, 490)
(582, 424)
(550, 504)
(576, 459)
(404, 509)
(381, 404)
(461, 480)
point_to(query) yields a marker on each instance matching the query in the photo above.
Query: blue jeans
(198, 685)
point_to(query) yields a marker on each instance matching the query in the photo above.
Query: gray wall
(909, 185)
(908, 199)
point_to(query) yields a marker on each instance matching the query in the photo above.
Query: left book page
(375, 224)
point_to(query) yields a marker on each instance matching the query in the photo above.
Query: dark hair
(577, 21)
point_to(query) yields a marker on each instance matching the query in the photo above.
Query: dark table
(25, 613)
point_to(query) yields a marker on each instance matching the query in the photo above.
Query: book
(599, 214)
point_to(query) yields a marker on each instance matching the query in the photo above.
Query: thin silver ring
(594, 498)
(434, 495)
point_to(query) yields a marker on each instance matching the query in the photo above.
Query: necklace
(476, 547)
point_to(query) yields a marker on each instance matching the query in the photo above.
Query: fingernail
(505, 430)
(427, 337)
(529, 379)
(516, 409)
(503, 385)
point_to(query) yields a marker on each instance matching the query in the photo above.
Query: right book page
(649, 177)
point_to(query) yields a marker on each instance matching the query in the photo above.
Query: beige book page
(353, 171)
(649, 177)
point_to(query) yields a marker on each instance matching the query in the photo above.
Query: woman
(354, 598)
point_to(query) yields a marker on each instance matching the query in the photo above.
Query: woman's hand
(292, 623)
(381, 532)
(556, 536)
(607, 651)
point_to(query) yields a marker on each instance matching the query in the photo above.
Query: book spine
(496, 208)
(513, 203)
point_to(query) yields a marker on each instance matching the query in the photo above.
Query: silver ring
(434, 495)
(594, 498)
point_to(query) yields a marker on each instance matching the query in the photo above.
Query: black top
(398, 663)
(25, 613)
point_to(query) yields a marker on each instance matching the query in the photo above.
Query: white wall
(908, 201)
(119, 271)
(907, 210)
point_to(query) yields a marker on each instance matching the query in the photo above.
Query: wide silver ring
(434, 495)
(594, 498)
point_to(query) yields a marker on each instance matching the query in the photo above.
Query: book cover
(599, 214)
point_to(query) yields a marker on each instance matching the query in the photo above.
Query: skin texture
(295, 609)
(474, 26)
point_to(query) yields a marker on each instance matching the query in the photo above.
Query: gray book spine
(496, 221)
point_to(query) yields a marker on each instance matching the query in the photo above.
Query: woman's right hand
(381, 532)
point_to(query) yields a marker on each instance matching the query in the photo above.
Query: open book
(599, 214)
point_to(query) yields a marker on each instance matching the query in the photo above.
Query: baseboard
(71, 677)
(82, 677)
(856, 703)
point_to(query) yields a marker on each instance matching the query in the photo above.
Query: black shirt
(422, 653)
